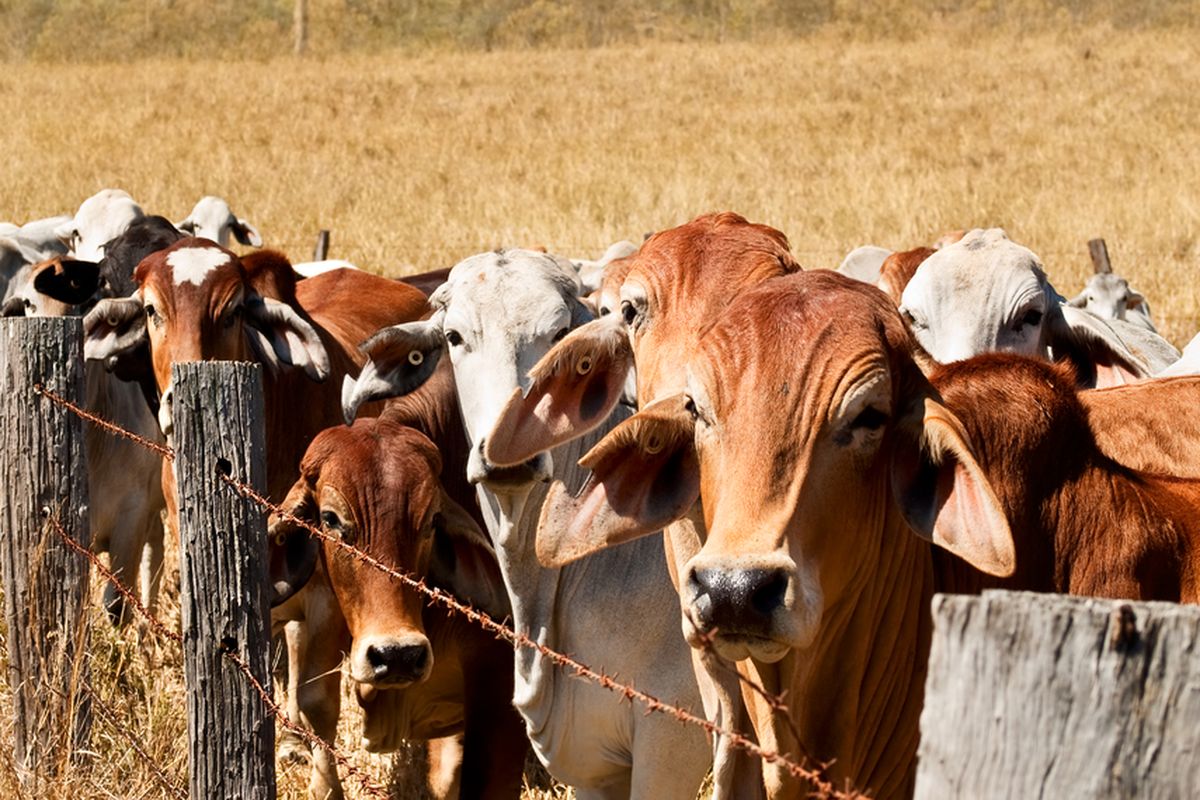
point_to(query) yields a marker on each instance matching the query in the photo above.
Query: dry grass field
(415, 162)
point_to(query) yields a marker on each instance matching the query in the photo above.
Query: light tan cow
(660, 299)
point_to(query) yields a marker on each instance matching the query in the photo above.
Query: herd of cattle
(692, 433)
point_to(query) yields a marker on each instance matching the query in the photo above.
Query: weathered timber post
(321, 251)
(1099, 253)
(218, 414)
(45, 583)
(1039, 695)
(300, 26)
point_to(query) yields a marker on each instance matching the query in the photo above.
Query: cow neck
(855, 693)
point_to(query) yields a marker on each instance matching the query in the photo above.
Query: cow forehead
(795, 345)
(383, 469)
(509, 288)
(982, 266)
(194, 264)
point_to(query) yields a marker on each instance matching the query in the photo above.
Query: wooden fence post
(218, 414)
(44, 473)
(1039, 695)
(300, 26)
(1099, 253)
(321, 251)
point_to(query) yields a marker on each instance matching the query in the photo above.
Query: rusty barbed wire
(109, 716)
(313, 740)
(569, 665)
(105, 424)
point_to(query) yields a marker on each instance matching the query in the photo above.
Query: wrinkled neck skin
(855, 694)
(536, 592)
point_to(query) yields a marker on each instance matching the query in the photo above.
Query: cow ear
(246, 233)
(645, 475)
(1134, 299)
(279, 335)
(465, 562)
(292, 551)
(115, 331)
(943, 493)
(573, 390)
(1100, 356)
(1078, 301)
(66, 232)
(399, 361)
(68, 281)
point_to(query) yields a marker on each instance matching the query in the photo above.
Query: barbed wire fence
(798, 767)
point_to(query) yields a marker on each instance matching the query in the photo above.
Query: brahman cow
(679, 280)
(213, 219)
(101, 218)
(1108, 296)
(986, 292)
(197, 301)
(495, 317)
(419, 671)
(809, 388)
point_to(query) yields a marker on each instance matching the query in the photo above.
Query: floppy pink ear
(645, 475)
(291, 550)
(943, 493)
(464, 560)
(574, 388)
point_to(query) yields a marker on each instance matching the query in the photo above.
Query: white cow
(497, 315)
(212, 219)
(986, 292)
(591, 273)
(310, 269)
(1108, 296)
(863, 263)
(101, 218)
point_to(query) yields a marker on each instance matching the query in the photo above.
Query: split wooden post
(321, 251)
(218, 417)
(44, 476)
(1041, 695)
(1099, 252)
(300, 27)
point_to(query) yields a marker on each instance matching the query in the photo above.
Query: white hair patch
(192, 264)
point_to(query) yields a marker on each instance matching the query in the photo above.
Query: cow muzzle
(507, 479)
(391, 662)
(742, 609)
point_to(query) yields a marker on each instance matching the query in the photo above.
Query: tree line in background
(103, 30)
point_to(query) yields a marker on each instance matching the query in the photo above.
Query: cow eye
(1030, 318)
(331, 520)
(870, 419)
(232, 316)
(453, 338)
(558, 337)
(628, 312)
(605, 311)
(911, 318)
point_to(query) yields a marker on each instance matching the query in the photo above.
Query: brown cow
(817, 445)
(420, 672)
(897, 270)
(661, 298)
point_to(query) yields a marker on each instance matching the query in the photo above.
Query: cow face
(497, 315)
(1108, 297)
(375, 487)
(100, 219)
(196, 302)
(658, 301)
(803, 435)
(212, 219)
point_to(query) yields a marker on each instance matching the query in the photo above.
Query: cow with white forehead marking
(495, 317)
(987, 293)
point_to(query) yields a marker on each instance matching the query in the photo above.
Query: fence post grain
(321, 251)
(300, 26)
(1099, 253)
(45, 583)
(218, 413)
(1038, 695)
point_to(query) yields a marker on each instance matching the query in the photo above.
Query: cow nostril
(769, 595)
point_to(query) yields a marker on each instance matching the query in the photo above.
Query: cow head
(52, 288)
(100, 219)
(1108, 296)
(987, 293)
(374, 486)
(496, 316)
(811, 436)
(669, 290)
(212, 219)
(196, 301)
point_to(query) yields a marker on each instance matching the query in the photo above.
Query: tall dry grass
(416, 162)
